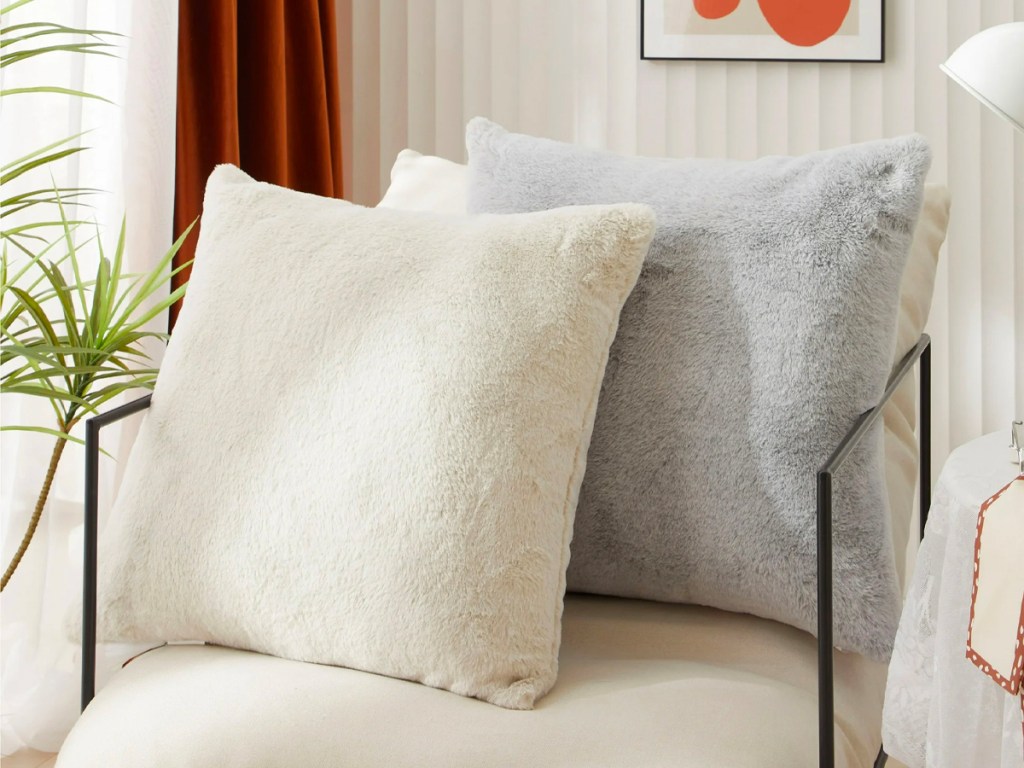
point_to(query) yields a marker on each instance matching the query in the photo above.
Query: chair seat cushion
(640, 684)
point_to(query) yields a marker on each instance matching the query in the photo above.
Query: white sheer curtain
(131, 156)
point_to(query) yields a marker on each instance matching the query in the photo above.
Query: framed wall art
(763, 30)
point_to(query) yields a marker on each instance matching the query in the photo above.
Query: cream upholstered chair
(640, 684)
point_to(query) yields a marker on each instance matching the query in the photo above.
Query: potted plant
(76, 340)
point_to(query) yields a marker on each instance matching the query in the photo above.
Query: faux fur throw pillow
(367, 439)
(426, 183)
(762, 325)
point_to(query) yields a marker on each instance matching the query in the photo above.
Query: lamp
(990, 66)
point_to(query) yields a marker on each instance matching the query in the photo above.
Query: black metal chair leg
(92, 484)
(826, 682)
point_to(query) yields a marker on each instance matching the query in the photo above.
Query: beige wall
(415, 70)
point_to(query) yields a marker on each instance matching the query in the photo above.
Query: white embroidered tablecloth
(940, 710)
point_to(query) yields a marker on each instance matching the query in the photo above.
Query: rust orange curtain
(257, 87)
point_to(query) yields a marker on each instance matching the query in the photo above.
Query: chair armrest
(826, 705)
(92, 466)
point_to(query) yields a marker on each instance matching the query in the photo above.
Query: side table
(940, 710)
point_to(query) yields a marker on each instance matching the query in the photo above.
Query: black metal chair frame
(826, 705)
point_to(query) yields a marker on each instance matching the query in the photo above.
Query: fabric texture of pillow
(426, 183)
(367, 438)
(762, 325)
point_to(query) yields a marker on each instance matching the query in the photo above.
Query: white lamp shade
(990, 66)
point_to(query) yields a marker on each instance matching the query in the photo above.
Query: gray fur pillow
(763, 323)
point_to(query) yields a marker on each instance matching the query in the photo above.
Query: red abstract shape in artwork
(715, 9)
(805, 22)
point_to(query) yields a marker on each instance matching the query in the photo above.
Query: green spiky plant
(75, 340)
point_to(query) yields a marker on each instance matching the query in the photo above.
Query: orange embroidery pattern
(1011, 684)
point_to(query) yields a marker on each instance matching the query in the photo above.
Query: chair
(640, 683)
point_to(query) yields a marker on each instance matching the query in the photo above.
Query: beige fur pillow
(367, 439)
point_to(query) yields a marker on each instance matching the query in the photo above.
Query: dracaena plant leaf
(76, 338)
(73, 322)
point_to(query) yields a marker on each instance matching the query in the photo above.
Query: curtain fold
(257, 87)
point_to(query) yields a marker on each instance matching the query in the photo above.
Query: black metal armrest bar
(826, 705)
(92, 467)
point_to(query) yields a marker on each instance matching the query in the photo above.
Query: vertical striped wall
(413, 72)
